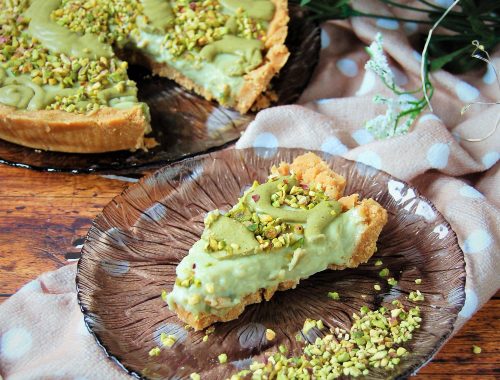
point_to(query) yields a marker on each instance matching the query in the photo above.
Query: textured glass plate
(133, 247)
(184, 124)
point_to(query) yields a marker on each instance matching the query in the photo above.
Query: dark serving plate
(184, 124)
(133, 247)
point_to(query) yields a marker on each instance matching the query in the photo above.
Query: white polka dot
(417, 55)
(368, 83)
(427, 117)
(396, 191)
(348, 67)
(410, 27)
(425, 210)
(362, 136)
(470, 192)
(115, 267)
(387, 23)
(399, 77)
(477, 241)
(325, 39)
(437, 155)
(490, 159)
(323, 101)
(466, 92)
(489, 77)
(441, 230)
(470, 305)
(333, 146)
(370, 158)
(444, 3)
(15, 343)
(267, 141)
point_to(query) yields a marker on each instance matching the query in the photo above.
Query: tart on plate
(63, 64)
(294, 225)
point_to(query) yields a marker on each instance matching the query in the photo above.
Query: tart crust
(375, 217)
(110, 129)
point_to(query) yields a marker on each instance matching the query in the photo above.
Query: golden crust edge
(256, 81)
(61, 131)
(376, 217)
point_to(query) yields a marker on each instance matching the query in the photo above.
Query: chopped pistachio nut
(377, 287)
(392, 281)
(164, 295)
(416, 296)
(270, 334)
(195, 376)
(374, 341)
(308, 325)
(296, 196)
(378, 263)
(418, 281)
(155, 351)
(222, 358)
(384, 272)
(476, 349)
(205, 338)
(334, 296)
(167, 340)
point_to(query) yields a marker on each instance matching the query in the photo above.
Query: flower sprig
(404, 108)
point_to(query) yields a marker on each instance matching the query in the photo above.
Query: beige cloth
(42, 334)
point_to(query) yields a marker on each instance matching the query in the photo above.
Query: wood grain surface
(44, 218)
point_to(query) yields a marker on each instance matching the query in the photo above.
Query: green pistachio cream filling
(61, 54)
(278, 231)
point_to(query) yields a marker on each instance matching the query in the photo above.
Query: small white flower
(379, 65)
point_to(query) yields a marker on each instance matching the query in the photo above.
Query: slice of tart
(286, 229)
(63, 64)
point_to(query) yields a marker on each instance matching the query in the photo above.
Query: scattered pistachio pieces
(377, 287)
(476, 349)
(270, 334)
(205, 338)
(308, 325)
(164, 295)
(167, 340)
(384, 272)
(378, 263)
(416, 296)
(155, 351)
(195, 376)
(334, 296)
(222, 358)
(418, 281)
(374, 341)
(392, 281)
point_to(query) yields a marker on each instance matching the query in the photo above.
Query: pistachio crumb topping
(222, 358)
(155, 351)
(334, 296)
(195, 376)
(416, 296)
(167, 340)
(392, 281)
(375, 340)
(270, 334)
(384, 272)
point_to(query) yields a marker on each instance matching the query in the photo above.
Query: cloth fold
(42, 334)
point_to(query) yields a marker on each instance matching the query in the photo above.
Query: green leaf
(438, 63)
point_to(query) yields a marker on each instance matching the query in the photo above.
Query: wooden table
(44, 217)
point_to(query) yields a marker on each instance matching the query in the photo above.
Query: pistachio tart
(63, 64)
(279, 232)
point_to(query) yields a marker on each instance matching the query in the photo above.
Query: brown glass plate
(133, 247)
(184, 124)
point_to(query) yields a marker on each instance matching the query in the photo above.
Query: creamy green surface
(223, 280)
(57, 38)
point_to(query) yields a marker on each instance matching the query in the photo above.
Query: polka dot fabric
(435, 155)
(42, 334)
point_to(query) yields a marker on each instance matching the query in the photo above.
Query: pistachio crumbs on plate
(222, 358)
(155, 351)
(476, 349)
(270, 334)
(418, 281)
(416, 296)
(334, 296)
(377, 287)
(167, 340)
(375, 340)
(384, 272)
(378, 263)
(195, 376)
